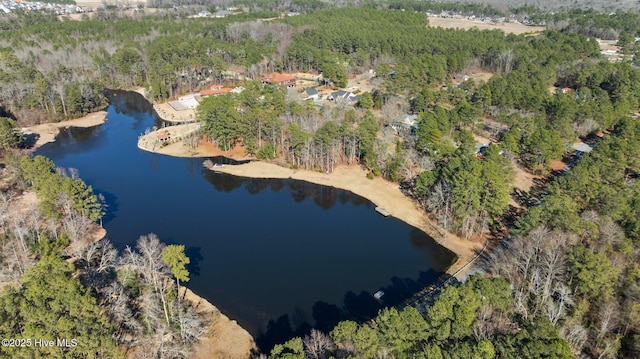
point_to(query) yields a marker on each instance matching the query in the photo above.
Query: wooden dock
(383, 211)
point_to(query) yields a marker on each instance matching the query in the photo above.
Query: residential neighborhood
(7, 7)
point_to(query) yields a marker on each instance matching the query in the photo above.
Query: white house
(405, 123)
(343, 95)
(311, 94)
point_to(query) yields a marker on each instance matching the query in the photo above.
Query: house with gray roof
(405, 123)
(222, 13)
(311, 94)
(343, 95)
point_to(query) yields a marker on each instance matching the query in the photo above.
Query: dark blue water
(289, 252)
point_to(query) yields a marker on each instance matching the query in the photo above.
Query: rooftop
(215, 91)
(582, 147)
(275, 77)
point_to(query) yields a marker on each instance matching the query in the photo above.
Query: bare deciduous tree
(99, 256)
(318, 345)
(77, 226)
(392, 109)
(151, 267)
(608, 317)
(535, 267)
(439, 202)
(575, 334)
(120, 311)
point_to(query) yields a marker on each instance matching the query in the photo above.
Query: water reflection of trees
(134, 105)
(81, 134)
(128, 102)
(222, 182)
(440, 256)
(325, 197)
(360, 307)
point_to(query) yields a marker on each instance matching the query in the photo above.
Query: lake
(278, 256)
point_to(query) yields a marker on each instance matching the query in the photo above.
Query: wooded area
(567, 282)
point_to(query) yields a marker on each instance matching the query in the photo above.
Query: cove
(278, 256)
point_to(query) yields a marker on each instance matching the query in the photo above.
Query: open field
(465, 24)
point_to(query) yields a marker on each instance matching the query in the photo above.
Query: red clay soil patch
(523, 180)
(557, 165)
(237, 152)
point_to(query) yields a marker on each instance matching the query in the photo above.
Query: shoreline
(224, 338)
(351, 178)
(47, 132)
(380, 192)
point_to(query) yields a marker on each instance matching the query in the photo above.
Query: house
(215, 91)
(480, 149)
(311, 94)
(343, 95)
(222, 13)
(204, 13)
(461, 77)
(275, 78)
(405, 123)
(163, 137)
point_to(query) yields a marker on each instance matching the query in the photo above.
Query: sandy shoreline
(351, 178)
(47, 132)
(224, 338)
(379, 191)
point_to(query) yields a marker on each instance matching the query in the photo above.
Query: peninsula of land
(47, 132)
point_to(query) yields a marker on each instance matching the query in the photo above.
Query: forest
(564, 283)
